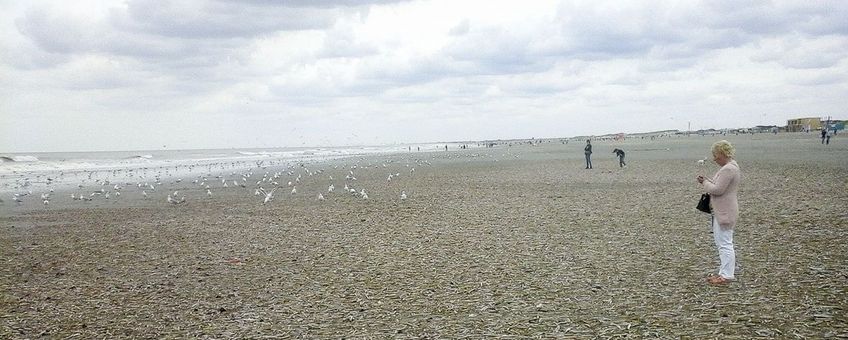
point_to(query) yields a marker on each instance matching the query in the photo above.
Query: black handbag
(704, 204)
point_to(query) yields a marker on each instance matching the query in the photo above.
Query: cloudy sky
(147, 74)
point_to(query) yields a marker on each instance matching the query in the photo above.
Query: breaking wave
(10, 159)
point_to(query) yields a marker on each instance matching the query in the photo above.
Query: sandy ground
(508, 242)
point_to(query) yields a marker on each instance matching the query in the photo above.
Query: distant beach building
(804, 124)
(764, 128)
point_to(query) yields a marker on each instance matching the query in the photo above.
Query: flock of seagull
(255, 176)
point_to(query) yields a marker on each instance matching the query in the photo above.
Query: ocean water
(37, 171)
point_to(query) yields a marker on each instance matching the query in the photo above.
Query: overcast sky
(143, 74)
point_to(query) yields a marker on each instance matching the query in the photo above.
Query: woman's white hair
(723, 147)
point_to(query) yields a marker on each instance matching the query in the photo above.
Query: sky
(90, 75)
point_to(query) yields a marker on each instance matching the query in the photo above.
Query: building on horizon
(803, 124)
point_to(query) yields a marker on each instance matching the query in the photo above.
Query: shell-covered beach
(514, 241)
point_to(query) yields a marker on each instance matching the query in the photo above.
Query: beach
(513, 241)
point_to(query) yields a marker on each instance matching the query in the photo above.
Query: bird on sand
(268, 195)
(403, 195)
(176, 201)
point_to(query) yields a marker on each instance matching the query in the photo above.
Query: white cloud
(211, 73)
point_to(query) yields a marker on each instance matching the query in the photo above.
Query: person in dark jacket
(620, 154)
(588, 151)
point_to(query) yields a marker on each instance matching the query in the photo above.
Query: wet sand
(517, 241)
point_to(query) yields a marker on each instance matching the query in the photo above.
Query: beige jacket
(723, 188)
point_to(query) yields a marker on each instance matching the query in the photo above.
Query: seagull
(701, 161)
(46, 202)
(346, 188)
(268, 195)
(144, 193)
(320, 197)
(331, 188)
(294, 190)
(174, 201)
(364, 194)
(403, 195)
(208, 193)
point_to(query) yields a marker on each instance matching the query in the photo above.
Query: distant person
(588, 152)
(446, 147)
(722, 188)
(620, 153)
(827, 136)
(824, 134)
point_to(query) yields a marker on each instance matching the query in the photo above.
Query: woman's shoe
(717, 280)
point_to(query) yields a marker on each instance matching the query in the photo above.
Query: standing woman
(588, 152)
(723, 188)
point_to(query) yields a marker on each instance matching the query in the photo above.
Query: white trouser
(724, 243)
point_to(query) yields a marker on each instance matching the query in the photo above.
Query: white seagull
(268, 195)
(175, 201)
(403, 195)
